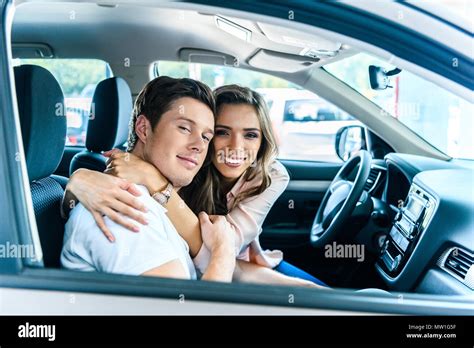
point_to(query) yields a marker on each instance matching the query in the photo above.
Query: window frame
(18, 215)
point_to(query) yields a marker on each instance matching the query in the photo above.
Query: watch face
(162, 199)
(164, 196)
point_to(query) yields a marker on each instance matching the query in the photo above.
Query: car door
(307, 150)
(288, 223)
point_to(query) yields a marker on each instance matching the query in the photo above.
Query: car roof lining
(81, 22)
(165, 30)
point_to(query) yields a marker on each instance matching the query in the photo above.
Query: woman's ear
(142, 125)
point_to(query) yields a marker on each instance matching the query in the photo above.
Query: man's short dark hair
(157, 97)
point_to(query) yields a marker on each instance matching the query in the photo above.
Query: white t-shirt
(85, 248)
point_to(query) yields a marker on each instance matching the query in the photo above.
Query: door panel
(296, 207)
(288, 223)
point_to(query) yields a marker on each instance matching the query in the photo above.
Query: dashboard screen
(397, 186)
(414, 208)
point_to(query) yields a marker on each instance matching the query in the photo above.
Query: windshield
(438, 116)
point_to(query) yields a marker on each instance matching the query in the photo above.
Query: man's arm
(220, 241)
(171, 269)
(220, 268)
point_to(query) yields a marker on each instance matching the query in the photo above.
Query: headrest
(42, 118)
(111, 110)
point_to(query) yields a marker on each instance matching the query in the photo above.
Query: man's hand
(216, 233)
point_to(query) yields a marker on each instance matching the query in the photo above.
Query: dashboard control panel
(409, 223)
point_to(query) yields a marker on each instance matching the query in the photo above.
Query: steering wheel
(340, 200)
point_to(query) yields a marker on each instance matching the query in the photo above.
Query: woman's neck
(227, 184)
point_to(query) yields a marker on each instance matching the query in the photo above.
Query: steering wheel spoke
(317, 231)
(334, 185)
(340, 199)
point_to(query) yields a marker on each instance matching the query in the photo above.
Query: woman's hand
(107, 195)
(132, 168)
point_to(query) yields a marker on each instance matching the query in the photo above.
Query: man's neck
(139, 150)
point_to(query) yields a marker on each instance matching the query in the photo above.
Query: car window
(78, 79)
(315, 109)
(305, 125)
(419, 104)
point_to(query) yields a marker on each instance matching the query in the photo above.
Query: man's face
(178, 145)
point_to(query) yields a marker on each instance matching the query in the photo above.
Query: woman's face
(237, 139)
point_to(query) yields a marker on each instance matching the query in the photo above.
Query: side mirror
(349, 140)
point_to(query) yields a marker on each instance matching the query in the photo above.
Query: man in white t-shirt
(171, 127)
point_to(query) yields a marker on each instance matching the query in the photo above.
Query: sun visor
(193, 55)
(277, 61)
(296, 38)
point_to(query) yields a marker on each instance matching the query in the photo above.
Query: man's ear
(142, 128)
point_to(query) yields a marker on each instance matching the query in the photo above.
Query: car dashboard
(429, 248)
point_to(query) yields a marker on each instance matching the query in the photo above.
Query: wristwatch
(163, 197)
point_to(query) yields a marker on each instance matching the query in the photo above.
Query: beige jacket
(247, 217)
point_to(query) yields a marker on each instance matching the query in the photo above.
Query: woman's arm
(103, 194)
(133, 169)
(246, 218)
(109, 195)
(181, 216)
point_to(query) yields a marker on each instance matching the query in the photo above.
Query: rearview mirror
(380, 78)
(349, 140)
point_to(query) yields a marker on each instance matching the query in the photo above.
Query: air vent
(459, 263)
(375, 177)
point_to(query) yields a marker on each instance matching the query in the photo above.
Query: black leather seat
(43, 128)
(108, 126)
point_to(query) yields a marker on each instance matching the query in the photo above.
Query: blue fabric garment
(293, 271)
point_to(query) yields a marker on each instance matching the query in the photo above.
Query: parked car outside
(77, 113)
(305, 124)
